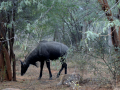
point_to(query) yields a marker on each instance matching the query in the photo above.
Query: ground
(29, 80)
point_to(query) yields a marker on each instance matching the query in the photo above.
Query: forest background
(89, 27)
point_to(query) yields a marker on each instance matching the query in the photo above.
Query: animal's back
(52, 49)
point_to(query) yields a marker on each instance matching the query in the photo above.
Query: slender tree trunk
(109, 39)
(12, 41)
(63, 31)
(55, 35)
(84, 36)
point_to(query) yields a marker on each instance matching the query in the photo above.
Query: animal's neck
(32, 59)
(27, 62)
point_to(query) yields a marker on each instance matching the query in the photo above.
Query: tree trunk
(5, 58)
(5, 66)
(109, 39)
(85, 25)
(12, 42)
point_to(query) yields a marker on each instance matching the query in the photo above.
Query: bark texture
(5, 66)
(115, 37)
(6, 54)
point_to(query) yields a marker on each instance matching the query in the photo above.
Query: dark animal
(46, 51)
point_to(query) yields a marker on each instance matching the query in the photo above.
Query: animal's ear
(21, 62)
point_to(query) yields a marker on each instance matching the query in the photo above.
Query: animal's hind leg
(42, 64)
(64, 65)
(48, 66)
(59, 72)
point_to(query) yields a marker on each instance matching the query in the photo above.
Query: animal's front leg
(41, 69)
(48, 66)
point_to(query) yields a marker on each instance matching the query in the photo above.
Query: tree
(4, 56)
(7, 30)
(114, 35)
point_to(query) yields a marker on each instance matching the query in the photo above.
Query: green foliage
(5, 5)
(118, 5)
(91, 35)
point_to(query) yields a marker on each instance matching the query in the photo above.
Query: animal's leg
(42, 64)
(64, 65)
(48, 66)
(60, 71)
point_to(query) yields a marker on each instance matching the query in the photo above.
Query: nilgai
(44, 52)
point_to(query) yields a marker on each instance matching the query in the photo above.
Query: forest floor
(29, 80)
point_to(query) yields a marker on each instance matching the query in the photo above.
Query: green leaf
(9, 25)
(27, 2)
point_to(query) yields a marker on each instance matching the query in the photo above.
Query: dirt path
(29, 80)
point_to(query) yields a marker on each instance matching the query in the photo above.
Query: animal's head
(24, 68)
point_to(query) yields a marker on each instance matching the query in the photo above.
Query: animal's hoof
(57, 76)
(50, 78)
(39, 78)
